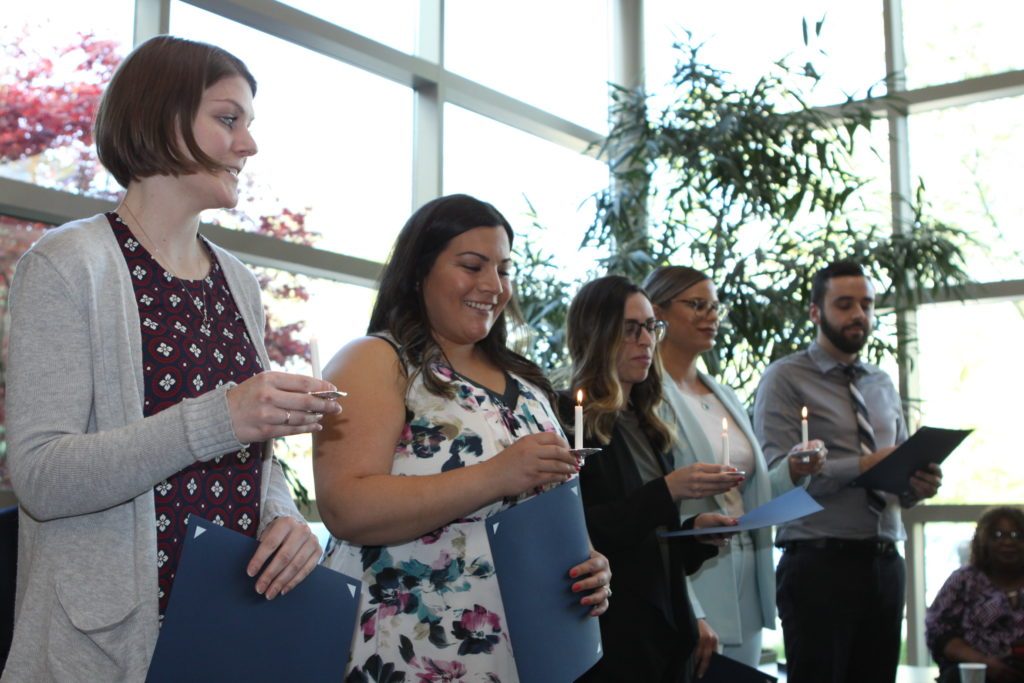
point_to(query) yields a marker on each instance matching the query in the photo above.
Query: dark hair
(401, 311)
(819, 283)
(666, 282)
(151, 103)
(981, 544)
(595, 335)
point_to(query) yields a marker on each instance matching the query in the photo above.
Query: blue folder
(792, 504)
(217, 628)
(534, 545)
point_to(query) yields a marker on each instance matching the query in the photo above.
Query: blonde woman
(734, 594)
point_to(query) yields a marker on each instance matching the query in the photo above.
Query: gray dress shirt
(815, 379)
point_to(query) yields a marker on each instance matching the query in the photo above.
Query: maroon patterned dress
(184, 355)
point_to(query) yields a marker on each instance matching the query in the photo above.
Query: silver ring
(288, 417)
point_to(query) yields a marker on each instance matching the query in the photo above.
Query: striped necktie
(865, 432)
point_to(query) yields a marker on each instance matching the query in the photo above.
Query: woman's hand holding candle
(531, 463)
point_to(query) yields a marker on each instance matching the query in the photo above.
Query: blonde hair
(666, 282)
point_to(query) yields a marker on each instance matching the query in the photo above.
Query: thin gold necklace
(200, 306)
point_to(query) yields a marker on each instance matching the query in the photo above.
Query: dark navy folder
(534, 545)
(722, 669)
(927, 445)
(217, 628)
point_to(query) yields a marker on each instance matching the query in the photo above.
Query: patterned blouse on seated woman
(978, 614)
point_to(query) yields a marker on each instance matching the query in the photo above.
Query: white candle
(577, 426)
(803, 425)
(725, 442)
(314, 357)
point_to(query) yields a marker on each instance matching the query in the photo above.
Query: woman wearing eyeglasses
(978, 615)
(631, 488)
(734, 594)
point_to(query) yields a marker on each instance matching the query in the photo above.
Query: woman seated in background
(446, 426)
(138, 391)
(734, 593)
(978, 615)
(631, 488)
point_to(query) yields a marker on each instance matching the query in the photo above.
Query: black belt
(867, 546)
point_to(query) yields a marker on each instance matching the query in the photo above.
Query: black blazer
(649, 631)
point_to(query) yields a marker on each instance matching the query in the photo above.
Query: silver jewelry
(686, 390)
(288, 417)
(201, 306)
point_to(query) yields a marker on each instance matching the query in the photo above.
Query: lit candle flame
(725, 424)
(579, 397)
(803, 412)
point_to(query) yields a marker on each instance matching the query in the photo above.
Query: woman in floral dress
(447, 426)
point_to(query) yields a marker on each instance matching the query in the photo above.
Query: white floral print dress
(430, 609)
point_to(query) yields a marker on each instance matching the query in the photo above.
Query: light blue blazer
(713, 588)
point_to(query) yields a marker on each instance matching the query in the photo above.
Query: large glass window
(969, 159)
(746, 38)
(56, 59)
(392, 22)
(948, 547)
(299, 307)
(516, 171)
(335, 142)
(948, 40)
(967, 375)
(553, 55)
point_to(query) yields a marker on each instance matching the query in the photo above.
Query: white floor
(906, 674)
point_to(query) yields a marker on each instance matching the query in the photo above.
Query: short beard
(839, 341)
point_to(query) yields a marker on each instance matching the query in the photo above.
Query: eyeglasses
(703, 307)
(999, 534)
(655, 328)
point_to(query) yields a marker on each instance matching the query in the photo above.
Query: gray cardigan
(84, 461)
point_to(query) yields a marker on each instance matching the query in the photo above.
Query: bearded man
(841, 581)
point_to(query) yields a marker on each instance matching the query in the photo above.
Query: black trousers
(841, 612)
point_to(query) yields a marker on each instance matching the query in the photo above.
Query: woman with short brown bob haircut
(137, 386)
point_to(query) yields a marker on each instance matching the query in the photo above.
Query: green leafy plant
(758, 189)
(543, 298)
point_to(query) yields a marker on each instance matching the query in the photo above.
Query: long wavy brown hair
(401, 311)
(595, 335)
(981, 544)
